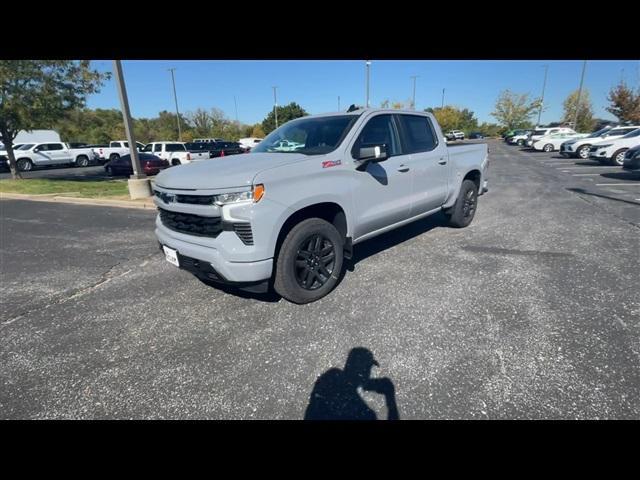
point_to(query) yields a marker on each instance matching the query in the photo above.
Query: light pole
(338, 102)
(442, 106)
(368, 63)
(175, 97)
(413, 101)
(138, 182)
(575, 119)
(544, 84)
(235, 102)
(275, 105)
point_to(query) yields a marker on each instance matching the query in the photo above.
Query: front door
(382, 192)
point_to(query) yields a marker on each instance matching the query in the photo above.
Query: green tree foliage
(453, 118)
(491, 129)
(624, 103)
(35, 93)
(514, 110)
(585, 120)
(285, 113)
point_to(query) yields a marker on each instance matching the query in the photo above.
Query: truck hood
(226, 172)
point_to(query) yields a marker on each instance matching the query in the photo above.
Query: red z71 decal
(331, 163)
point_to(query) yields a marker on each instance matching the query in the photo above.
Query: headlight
(254, 195)
(636, 155)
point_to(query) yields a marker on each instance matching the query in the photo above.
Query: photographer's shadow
(335, 394)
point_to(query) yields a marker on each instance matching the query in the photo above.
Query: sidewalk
(144, 203)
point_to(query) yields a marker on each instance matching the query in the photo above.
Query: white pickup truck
(288, 218)
(175, 153)
(31, 155)
(116, 149)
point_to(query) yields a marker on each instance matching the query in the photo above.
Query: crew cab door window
(418, 134)
(380, 130)
(147, 148)
(157, 147)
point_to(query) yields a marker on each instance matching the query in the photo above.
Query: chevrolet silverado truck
(287, 219)
(175, 153)
(30, 155)
(115, 149)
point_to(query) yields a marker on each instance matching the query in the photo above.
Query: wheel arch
(332, 212)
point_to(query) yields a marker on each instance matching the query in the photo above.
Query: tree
(625, 103)
(257, 131)
(36, 93)
(514, 110)
(285, 113)
(452, 118)
(585, 119)
(201, 122)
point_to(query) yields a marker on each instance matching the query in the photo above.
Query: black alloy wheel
(315, 261)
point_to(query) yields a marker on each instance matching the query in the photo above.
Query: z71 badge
(331, 163)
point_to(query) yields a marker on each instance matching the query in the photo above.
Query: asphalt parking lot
(530, 312)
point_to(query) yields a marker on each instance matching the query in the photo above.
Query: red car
(151, 165)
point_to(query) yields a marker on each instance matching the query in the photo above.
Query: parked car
(293, 216)
(151, 165)
(631, 161)
(199, 147)
(520, 137)
(580, 147)
(249, 142)
(222, 149)
(476, 135)
(208, 140)
(115, 149)
(4, 156)
(455, 135)
(613, 151)
(552, 143)
(32, 155)
(175, 153)
(538, 133)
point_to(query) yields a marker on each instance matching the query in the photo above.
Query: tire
(320, 271)
(583, 152)
(82, 161)
(463, 211)
(521, 143)
(176, 162)
(114, 156)
(548, 148)
(24, 165)
(617, 158)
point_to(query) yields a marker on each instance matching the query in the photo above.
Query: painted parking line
(618, 184)
(585, 166)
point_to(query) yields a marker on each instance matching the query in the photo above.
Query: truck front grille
(243, 230)
(191, 224)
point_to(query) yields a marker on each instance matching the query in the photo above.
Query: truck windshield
(310, 136)
(26, 146)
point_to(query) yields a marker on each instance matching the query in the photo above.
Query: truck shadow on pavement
(395, 237)
(335, 394)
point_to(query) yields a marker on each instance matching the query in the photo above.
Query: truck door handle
(403, 168)
(442, 161)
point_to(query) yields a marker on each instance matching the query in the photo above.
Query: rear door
(429, 162)
(382, 192)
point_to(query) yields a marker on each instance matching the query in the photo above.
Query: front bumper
(599, 154)
(211, 258)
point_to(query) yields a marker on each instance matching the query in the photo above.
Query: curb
(145, 205)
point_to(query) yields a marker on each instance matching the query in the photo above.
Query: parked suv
(613, 151)
(580, 147)
(455, 135)
(289, 218)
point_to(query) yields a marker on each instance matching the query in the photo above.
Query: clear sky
(316, 84)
